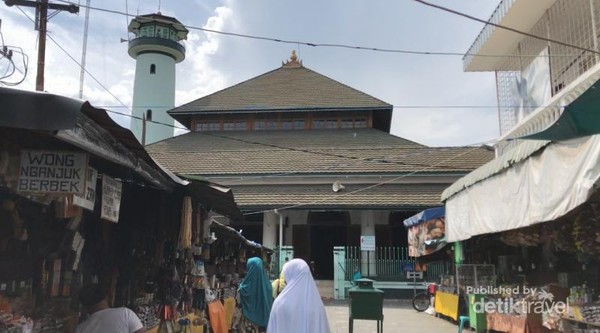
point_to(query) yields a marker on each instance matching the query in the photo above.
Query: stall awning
(80, 124)
(534, 189)
(216, 197)
(579, 118)
(222, 230)
(93, 130)
(37, 110)
(424, 216)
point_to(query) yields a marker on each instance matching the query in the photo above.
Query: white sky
(216, 61)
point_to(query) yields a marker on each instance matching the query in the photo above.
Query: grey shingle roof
(336, 151)
(285, 88)
(388, 196)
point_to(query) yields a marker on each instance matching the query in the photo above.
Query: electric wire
(8, 53)
(424, 167)
(378, 159)
(423, 2)
(75, 61)
(365, 48)
(337, 195)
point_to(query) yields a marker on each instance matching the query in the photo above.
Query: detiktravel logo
(535, 301)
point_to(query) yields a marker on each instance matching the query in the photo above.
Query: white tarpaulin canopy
(541, 188)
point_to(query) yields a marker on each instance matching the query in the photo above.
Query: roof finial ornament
(293, 62)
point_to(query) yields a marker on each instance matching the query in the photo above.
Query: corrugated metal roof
(521, 152)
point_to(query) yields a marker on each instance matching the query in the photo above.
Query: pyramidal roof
(292, 87)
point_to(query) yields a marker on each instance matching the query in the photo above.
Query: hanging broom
(185, 231)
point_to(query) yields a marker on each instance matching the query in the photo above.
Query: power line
(75, 61)
(337, 195)
(505, 27)
(346, 46)
(400, 106)
(328, 154)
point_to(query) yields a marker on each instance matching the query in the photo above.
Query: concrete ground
(399, 316)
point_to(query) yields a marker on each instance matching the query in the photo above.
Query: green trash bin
(366, 302)
(477, 319)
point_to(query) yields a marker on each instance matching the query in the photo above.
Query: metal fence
(391, 263)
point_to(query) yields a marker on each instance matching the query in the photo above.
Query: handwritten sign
(52, 172)
(367, 243)
(88, 200)
(111, 199)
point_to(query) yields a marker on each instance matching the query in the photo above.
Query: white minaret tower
(156, 49)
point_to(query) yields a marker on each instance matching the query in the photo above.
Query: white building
(547, 160)
(157, 50)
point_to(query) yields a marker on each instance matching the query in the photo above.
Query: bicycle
(421, 301)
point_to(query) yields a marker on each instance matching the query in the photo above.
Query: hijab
(278, 284)
(299, 308)
(256, 293)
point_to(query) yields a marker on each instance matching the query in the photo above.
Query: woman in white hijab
(299, 308)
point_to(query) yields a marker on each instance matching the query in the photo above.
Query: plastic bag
(216, 314)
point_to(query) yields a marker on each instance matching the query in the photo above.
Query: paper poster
(111, 199)
(427, 237)
(88, 200)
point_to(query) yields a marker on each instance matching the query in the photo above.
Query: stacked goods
(529, 236)
(563, 236)
(585, 232)
(591, 314)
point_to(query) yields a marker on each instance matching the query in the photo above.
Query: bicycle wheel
(421, 302)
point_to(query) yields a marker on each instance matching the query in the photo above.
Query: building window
(318, 123)
(162, 32)
(292, 124)
(347, 123)
(235, 125)
(153, 69)
(264, 124)
(147, 31)
(149, 115)
(241, 125)
(208, 126)
(228, 126)
(325, 123)
(360, 123)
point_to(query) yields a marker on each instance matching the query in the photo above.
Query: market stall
(81, 202)
(547, 276)
(198, 282)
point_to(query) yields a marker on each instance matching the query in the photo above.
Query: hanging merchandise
(216, 313)
(585, 229)
(205, 251)
(199, 299)
(185, 231)
(242, 255)
(198, 269)
(528, 236)
(563, 236)
(197, 249)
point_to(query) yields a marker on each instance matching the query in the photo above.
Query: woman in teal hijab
(255, 297)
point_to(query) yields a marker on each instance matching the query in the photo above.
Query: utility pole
(41, 20)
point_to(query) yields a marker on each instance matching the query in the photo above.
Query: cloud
(200, 48)
(199, 77)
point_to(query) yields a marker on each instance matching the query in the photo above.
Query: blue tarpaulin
(424, 216)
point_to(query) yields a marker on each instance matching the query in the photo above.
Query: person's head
(93, 297)
(254, 263)
(296, 268)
